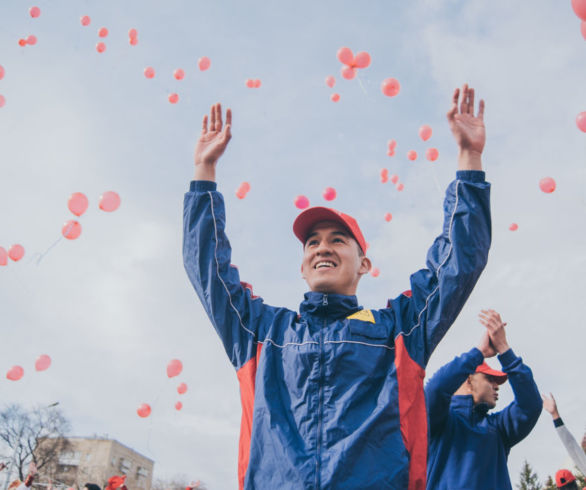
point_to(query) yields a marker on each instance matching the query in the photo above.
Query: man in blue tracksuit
(468, 446)
(332, 395)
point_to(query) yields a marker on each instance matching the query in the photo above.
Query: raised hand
(495, 328)
(212, 142)
(486, 346)
(549, 405)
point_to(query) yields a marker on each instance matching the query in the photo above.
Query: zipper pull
(325, 300)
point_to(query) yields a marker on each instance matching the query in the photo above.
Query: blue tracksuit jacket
(469, 447)
(332, 395)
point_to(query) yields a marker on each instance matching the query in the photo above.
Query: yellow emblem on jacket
(363, 315)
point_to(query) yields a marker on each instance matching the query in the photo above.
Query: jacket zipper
(320, 399)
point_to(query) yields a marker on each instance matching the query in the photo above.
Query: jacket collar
(464, 405)
(328, 304)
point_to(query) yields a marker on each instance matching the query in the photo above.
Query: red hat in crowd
(499, 376)
(308, 218)
(116, 482)
(563, 477)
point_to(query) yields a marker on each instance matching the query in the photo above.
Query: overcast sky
(114, 306)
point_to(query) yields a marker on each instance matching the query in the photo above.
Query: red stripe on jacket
(413, 414)
(246, 377)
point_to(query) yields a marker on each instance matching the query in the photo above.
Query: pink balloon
(85, 20)
(2, 101)
(345, 56)
(400, 187)
(375, 272)
(43, 362)
(178, 406)
(179, 74)
(77, 203)
(1, 72)
(431, 154)
(390, 87)
(514, 227)
(245, 186)
(3, 256)
(71, 229)
(330, 81)
(15, 373)
(31, 40)
(173, 98)
(547, 185)
(362, 60)
(329, 194)
(335, 97)
(143, 410)
(348, 72)
(412, 155)
(133, 41)
(109, 201)
(204, 63)
(581, 121)
(384, 175)
(425, 132)
(257, 83)
(394, 178)
(392, 144)
(22, 42)
(583, 29)
(388, 217)
(132, 33)
(34, 12)
(100, 47)
(579, 7)
(174, 368)
(149, 72)
(240, 194)
(182, 388)
(16, 252)
(301, 202)
(250, 83)
(103, 32)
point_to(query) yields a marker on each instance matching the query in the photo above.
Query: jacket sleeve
(234, 312)
(454, 263)
(444, 383)
(574, 450)
(517, 420)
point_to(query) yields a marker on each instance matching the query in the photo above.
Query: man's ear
(302, 275)
(365, 265)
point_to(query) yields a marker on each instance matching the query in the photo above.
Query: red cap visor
(499, 376)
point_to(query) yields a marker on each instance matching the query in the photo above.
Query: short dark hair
(92, 486)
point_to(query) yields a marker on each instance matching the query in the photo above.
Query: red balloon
(400, 187)
(579, 7)
(3, 256)
(174, 368)
(245, 186)
(179, 74)
(345, 56)
(132, 33)
(149, 72)
(394, 178)
(431, 154)
(412, 155)
(103, 32)
(335, 97)
(348, 72)
(133, 41)
(384, 175)
(581, 121)
(425, 132)
(31, 40)
(329, 194)
(77, 203)
(390, 87)
(514, 227)
(204, 63)
(547, 185)
(85, 20)
(301, 202)
(178, 406)
(374, 272)
(388, 217)
(100, 47)
(109, 201)
(240, 194)
(34, 12)
(583, 29)
(330, 81)
(1, 72)
(257, 83)
(16, 252)
(22, 42)
(2, 101)
(182, 388)
(362, 60)
(250, 83)
(43, 362)
(71, 229)
(143, 410)
(173, 98)
(15, 373)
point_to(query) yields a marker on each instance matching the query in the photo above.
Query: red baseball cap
(116, 482)
(563, 477)
(499, 376)
(310, 217)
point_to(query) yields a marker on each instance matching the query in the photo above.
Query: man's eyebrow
(337, 232)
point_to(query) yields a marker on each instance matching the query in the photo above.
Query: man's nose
(323, 248)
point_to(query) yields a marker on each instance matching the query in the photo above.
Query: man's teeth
(324, 264)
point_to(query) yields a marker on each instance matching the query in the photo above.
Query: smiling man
(468, 446)
(332, 394)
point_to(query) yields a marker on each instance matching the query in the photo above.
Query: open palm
(214, 139)
(468, 129)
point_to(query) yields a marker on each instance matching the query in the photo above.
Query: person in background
(565, 479)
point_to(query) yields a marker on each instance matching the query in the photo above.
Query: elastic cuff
(558, 422)
(202, 186)
(507, 358)
(478, 357)
(471, 175)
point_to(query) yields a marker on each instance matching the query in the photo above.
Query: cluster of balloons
(174, 368)
(102, 33)
(15, 253)
(302, 202)
(425, 133)
(179, 74)
(133, 36)
(42, 363)
(352, 63)
(330, 82)
(394, 178)
(243, 190)
(252, 83)
(78, 203)
(30, 40)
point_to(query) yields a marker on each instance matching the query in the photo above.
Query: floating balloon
(16, 252)
(182, 388)
(245, 186)
(390, 87)
(173, 98)
(374, 272)
(143, 410)
(85, 20)
(583, 29)
(394, 178)
(345, 56)
(178, 406)
(362, 60)
(579, 7)
(330, 81)
(412, 155)
(242, 190)
(71, 229)
(240, 194)
(388, 217)
(348, 72)
(31, 40)
(391, 150)
(179, 74)
(425, 132)
(43, 362)
(257, 83)
(3, 256)
(1, 72)
(15, 373)
(335, 97)
(301, 202)
(149, 72)
(514, 227)
(329, 194)
(109, 201)
(103, 32)
(400, 187)
(547, 185)
(2, 101)
(77, 203)
(384, 175)
(100, 47)
(431, 154)
(204, 63)
(174, 368)
(253, 83)
(34, 12)
(132, 33)
(22, 42)
(133, 41)
(581, 121)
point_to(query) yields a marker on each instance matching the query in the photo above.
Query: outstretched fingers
(204, 128)
(454, 109)
(464, 102)
(481, 110)
(218, 117)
